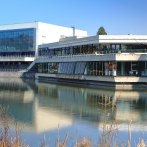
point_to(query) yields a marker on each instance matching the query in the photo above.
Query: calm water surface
(47, 111)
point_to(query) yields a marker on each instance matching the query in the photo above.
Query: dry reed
(6, 138)
(108, 137)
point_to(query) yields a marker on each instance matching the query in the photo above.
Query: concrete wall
(136, 39)
(101, 39)
(11, 59)
(48, 33)
(10, 74)
(118, 79)
(95, 57)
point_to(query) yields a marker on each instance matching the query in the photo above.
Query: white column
(106, 69)
(122, 68)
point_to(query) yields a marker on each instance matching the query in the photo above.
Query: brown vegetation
(108, 136)
(6, 138)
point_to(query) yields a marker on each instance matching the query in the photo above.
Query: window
(17, 40)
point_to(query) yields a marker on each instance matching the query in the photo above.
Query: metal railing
(104, 52)
(15, 56)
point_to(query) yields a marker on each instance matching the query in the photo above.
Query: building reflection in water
(42, 107)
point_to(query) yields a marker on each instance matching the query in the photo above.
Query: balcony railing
(15, 56)
(100, 52)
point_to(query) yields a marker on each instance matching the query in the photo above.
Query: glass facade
(51, 68)
(92, 49)
(18, 40)
(62, 68)
(75, 50)
(13, 66)
(95, 68)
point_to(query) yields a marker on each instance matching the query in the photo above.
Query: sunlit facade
(105, 58)
(19, 42)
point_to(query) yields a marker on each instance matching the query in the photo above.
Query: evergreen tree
(101, 31)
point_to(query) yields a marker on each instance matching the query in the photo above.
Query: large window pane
(17, 40)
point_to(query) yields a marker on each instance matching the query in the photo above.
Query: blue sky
(117, 16)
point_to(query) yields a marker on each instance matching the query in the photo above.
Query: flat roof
(18, 26)
(100, 39)
(34, 24)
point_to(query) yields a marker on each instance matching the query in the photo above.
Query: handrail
(142, 51)
(15, 56)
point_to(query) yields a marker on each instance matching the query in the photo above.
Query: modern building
(19, 42)
(91, 60)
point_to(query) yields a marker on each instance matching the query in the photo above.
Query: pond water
(49, 112)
